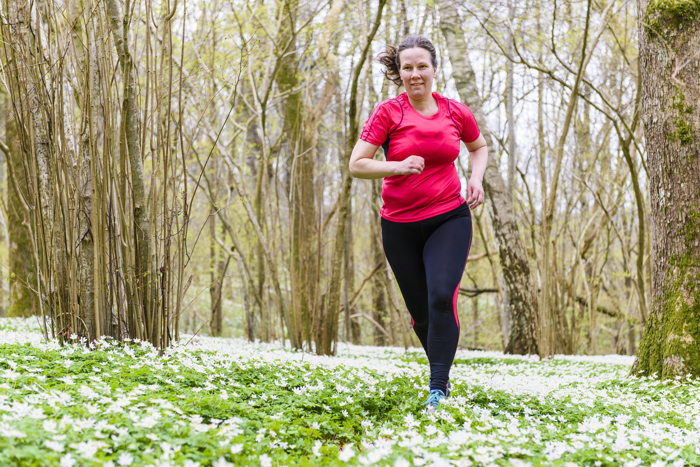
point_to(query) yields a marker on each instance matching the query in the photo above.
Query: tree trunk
(670, 66)
(129, 133)
(330, 333)
(301, 129)
(216, 279)
(379, 302)
(352, 326)
(302, 200)
(23, 301)
(475, 321)
(88, 142)
(510, 114)
(516, 268)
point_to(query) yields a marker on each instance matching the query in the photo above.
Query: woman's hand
(412, 165)
(475, 193)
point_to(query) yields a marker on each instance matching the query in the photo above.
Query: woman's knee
(442, 301)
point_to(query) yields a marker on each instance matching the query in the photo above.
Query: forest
(180, 168)
(191, 275)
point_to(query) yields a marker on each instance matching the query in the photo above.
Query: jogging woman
(426, 223)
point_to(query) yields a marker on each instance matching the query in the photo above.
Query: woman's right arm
(363, 165)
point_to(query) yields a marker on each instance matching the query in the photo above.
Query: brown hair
(390, 58)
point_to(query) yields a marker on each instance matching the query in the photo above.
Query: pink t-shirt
(402, 132)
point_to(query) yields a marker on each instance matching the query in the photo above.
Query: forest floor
(215, 401)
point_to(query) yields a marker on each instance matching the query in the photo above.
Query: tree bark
(87, 193)
(379, 302)
(516, 268)
(302, 200)
(670, 67)
(22, 264)
(330, 333)
(129, 134)
(475, 321)
(19, 222)
(510, 114)
(216, 275)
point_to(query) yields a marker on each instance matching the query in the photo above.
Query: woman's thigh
(444, 258)
(403, 247)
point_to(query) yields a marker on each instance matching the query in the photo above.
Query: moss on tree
(23, 301)
(683, 131)
(665, 17)
(672, 346)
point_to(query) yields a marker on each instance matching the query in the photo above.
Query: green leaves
(239, 403)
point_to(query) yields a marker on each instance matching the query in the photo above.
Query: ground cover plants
(209, 401)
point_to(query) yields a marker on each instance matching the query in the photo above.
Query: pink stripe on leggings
(454, 304)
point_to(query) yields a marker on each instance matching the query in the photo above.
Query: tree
(516, 269)
(330, 331)
(22, 264)
(669, 35)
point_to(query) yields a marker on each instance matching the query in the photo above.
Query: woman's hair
(390, 58)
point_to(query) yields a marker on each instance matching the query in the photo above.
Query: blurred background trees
(180, 167)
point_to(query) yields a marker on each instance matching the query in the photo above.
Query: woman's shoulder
(392, 105)
(453, 105)
(390, 111)
(385, 118)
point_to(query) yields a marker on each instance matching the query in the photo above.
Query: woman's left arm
(478, 155)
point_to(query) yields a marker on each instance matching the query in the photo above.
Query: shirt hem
(404, 220)
(371, 142)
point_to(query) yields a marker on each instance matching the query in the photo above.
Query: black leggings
(428, 259)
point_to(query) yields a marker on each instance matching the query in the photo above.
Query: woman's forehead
(415, 54)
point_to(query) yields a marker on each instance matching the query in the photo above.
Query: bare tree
(669, 67)
(516, 269)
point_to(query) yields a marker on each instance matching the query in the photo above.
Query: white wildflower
(67, 460)
(346, 454)
(125, 459)
(54, 445)
(50, 426)
(9, 374)
(88, 449)
(265, 461)
(222, 463)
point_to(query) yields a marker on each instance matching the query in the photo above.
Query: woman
(426, 223)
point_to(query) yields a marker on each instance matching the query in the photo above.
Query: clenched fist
(412, 165)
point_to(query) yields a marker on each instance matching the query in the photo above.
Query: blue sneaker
(448, 389)
(433, 401)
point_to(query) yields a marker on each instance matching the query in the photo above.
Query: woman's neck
(427, 106)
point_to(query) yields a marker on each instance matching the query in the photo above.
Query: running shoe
(433, 401)
(448, 390)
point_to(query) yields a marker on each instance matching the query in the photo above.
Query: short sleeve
(470, 130)
(377, 126)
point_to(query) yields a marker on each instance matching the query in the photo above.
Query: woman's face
(417, 72)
